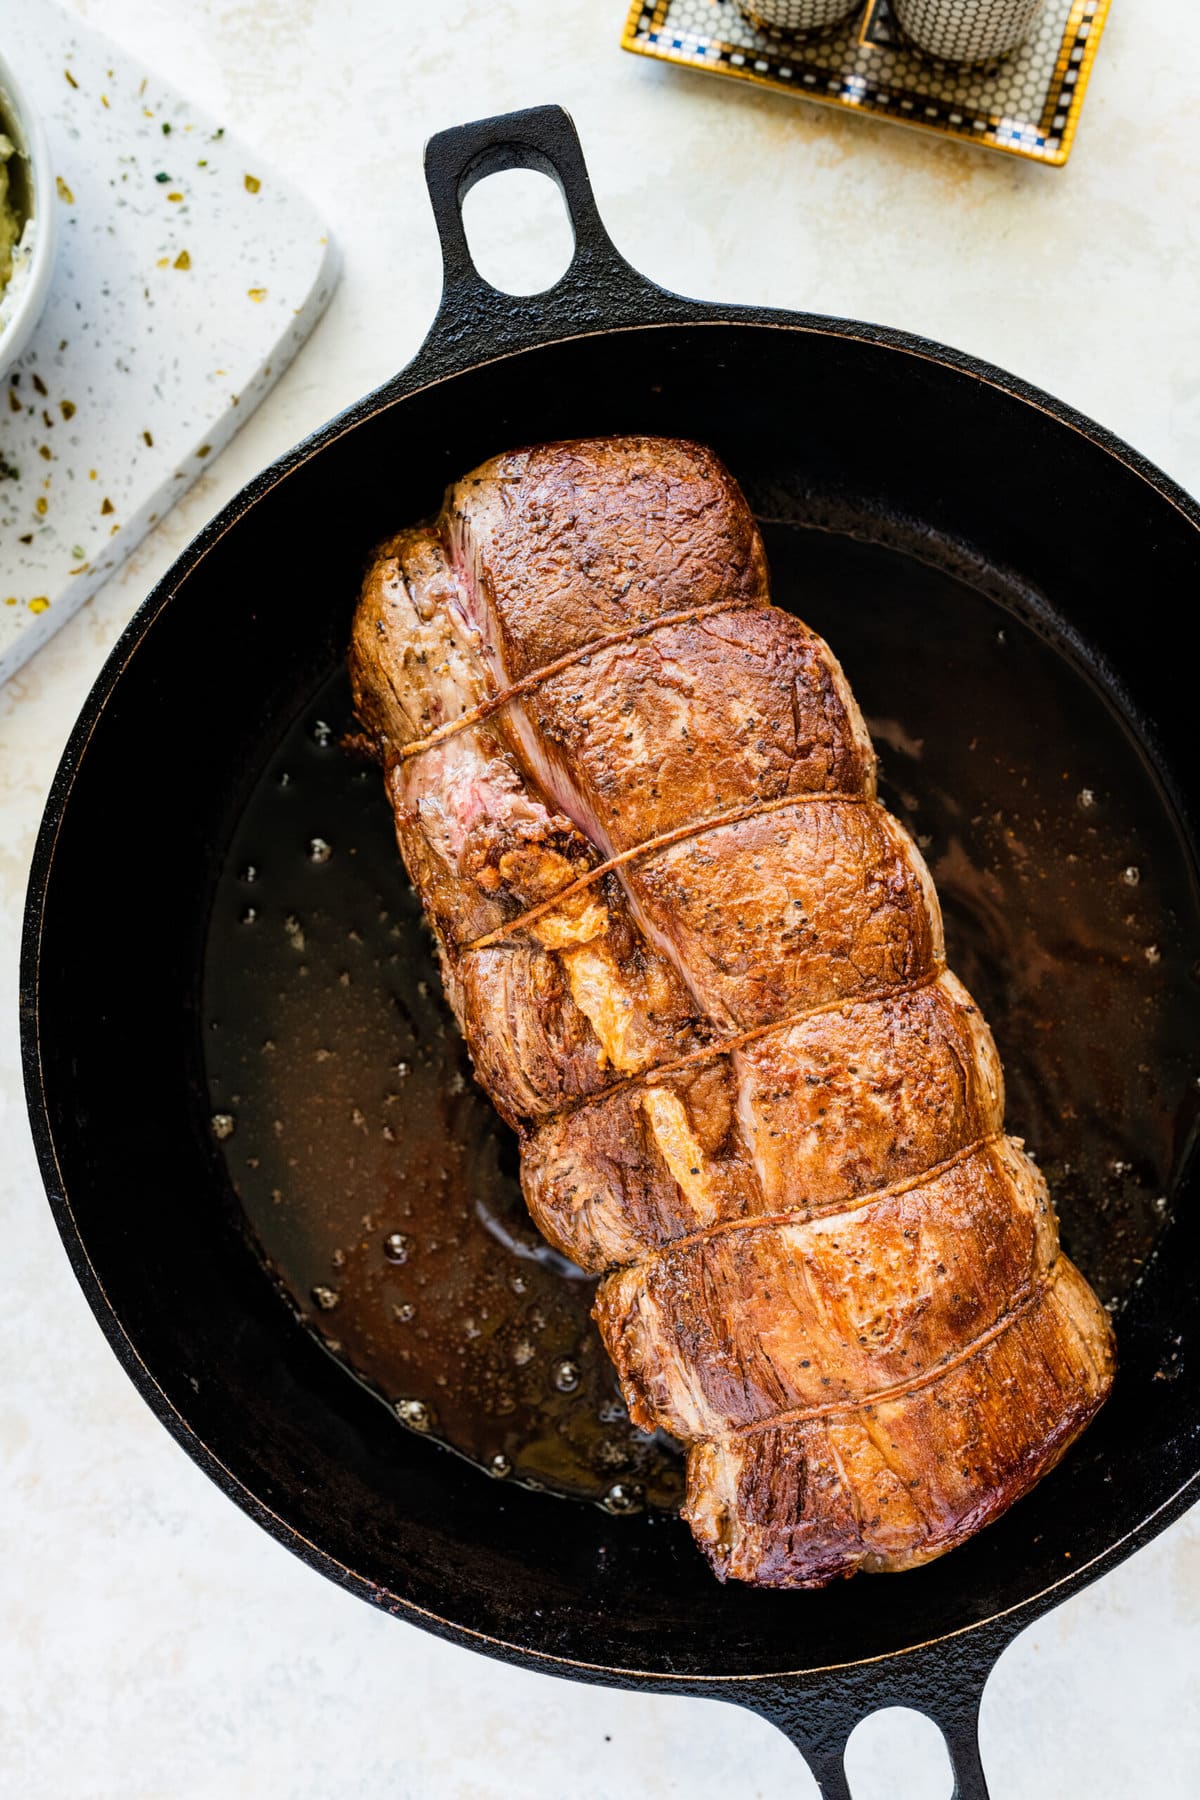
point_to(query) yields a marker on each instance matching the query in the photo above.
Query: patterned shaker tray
(1027, 104)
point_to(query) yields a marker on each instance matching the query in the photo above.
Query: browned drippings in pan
(380, 1183)
(383, 1189)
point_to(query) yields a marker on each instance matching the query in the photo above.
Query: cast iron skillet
(812, 413)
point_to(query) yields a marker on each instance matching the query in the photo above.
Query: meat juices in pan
(701, 970)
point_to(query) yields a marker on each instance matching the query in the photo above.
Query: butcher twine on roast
(700, 970)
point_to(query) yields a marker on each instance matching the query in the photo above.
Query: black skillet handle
(599, 289)
(944, 1680)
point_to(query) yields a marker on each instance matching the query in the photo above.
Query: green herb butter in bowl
(27, 217)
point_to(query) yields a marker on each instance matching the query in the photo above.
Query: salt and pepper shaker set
(964, 31)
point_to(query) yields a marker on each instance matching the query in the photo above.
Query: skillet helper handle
(944, 1681)
(598, 289)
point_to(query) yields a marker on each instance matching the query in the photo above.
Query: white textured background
(152, 1641)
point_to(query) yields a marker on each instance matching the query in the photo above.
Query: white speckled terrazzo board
(188, 276)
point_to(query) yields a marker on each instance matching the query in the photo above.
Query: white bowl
(24, 297)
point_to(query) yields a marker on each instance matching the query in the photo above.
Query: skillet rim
(437, 362)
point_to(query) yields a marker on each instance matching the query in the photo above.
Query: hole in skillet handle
(518, 231)
(944, 1680)
(893, 1739)
(597, 291)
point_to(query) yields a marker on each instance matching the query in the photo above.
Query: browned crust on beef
(701, 718)
(711, 996)
(574, 541)
(805, 1118)
(892, 1485)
